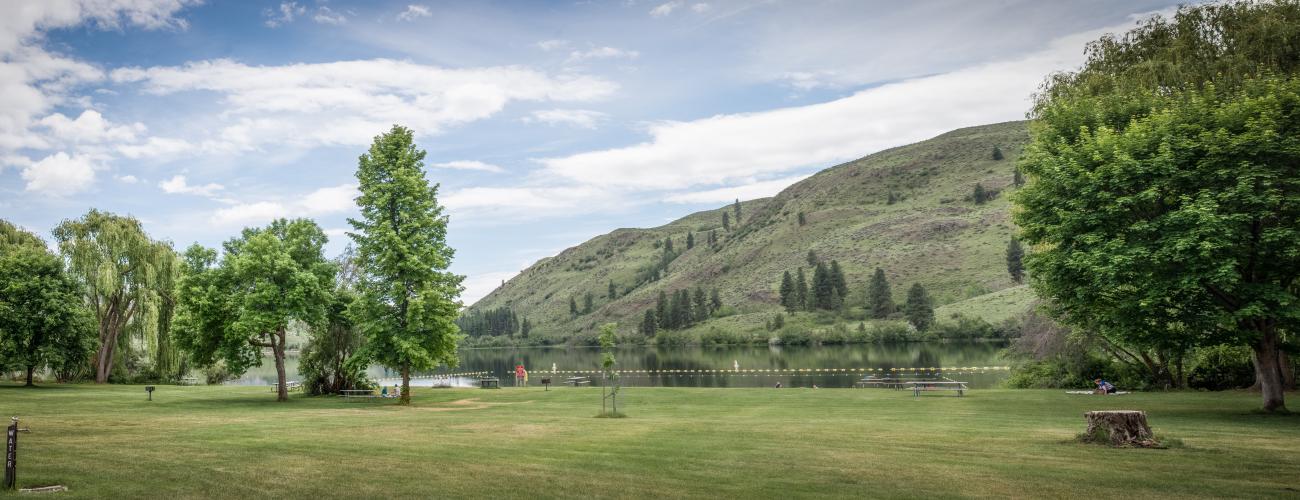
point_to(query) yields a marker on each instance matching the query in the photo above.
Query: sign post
(11, 456)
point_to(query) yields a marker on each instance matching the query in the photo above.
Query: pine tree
(812, 258)
(588, 302)
(525, 328)
(980, 195)
(835, 301)
(801, 290)
(997, 153)
(715, 301)
(802, 220)
(737, 209)
(648, 323)
(726, 221)
(787, 292)
(668, 244)
(1015, 260)
(880, 303)
(613, 291)
(690, 240)
(821, 287)
(573, 306)
(1017, 177)
(701, 305)
(408, 298)
(862, 330)
(837, 279)
(713, 238)
(919, 309)
(661, 310)
(778, 322)
(892, 198)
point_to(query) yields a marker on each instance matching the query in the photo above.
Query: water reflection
(540, 361)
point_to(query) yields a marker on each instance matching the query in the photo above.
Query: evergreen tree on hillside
(690, 241)
(837, 279)
(1015, 257)
(668, 244)
(800, 290)
(661, 309)
(1017, 177)
(802, 219)
(649, 324)
(919, 309)
(821, 287)
(613, 291)
(880, 303)
(726, 221)
(573, 306)
(737, 210)
(525, 328)
(701, 304)
(836, 301)
(787, 292)
(997, 153)
(588, 302)
(980, 195)
(715, 301)
(812, 258)
(778, 322)
(713, 238)
(892, 198)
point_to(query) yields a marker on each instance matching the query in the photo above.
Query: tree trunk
(406, 385)
(1119, 428)
(30, 369)
(1268, 371)
(1288, 371)
(277, 348)
(104, 359)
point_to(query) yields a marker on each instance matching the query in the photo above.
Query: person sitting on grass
(397, 391)
(1104, 387)
(383, 393)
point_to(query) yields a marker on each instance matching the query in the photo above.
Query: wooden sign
(11, 456)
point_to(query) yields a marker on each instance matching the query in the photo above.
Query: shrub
(1221, 367)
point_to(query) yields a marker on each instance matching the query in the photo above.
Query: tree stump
(1119, 428)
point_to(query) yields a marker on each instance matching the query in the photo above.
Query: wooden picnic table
(289, 386)
(938, 385)
(358, 393)
(577, 381)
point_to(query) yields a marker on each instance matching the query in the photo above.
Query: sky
(545, 123)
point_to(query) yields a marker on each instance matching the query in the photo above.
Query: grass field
(235, 442)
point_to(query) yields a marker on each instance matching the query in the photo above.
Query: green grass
(235, 442)
(993, 307)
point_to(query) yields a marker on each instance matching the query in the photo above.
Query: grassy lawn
(232, 442)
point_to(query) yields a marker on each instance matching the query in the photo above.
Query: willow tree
(233, 308)
(406, 304)
(1164, 202)
(123, 273)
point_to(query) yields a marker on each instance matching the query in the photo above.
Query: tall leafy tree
(919, 308)
(43, 319)
(122, 272)
(407, 299)
(1165, 197)
(880, 301)
(266, 279)
(1015, 260)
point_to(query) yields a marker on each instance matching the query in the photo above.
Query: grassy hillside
(933, 233)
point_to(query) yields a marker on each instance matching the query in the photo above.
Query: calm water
(761, 366)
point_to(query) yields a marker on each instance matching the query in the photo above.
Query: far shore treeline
(1152, 240)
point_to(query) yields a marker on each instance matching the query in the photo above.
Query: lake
(693, 366)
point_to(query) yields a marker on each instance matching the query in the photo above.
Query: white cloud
(60, 174)
(700, 8)
(323, 201)
(414, 12)
(526, 202)
(178, 185)
(582, 118)
(602, 53)
(469, 165)
(549, 45)
(750, 191)
(478, 285)
(156, 147)
(348, 102)
(728, 148)
(325, 15)
(90, 127)
(128, 179)
(666, 8)
(284, 14)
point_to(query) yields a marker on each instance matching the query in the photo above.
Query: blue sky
(546, 123)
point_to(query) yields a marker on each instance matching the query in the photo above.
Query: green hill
(929, 230)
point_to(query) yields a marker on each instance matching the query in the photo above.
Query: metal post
(11, 456)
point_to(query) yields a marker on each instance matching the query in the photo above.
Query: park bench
(189, 381)
(289, 387)
(358, 394)
(489, 383)
(886, 382)
(937, 385)
(577, 381)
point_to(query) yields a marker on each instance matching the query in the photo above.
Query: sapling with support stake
(609, 389)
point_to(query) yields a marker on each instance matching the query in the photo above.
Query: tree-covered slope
(908, 210)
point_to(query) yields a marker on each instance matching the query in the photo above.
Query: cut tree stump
(1120, 428)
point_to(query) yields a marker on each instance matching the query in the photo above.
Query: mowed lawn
(236, 442)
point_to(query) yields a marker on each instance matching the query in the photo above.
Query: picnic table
(358, 393)
(489, 383)
(289, 386)
(577, 381)
(189, 381)
(887, 382)
(937, 385)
